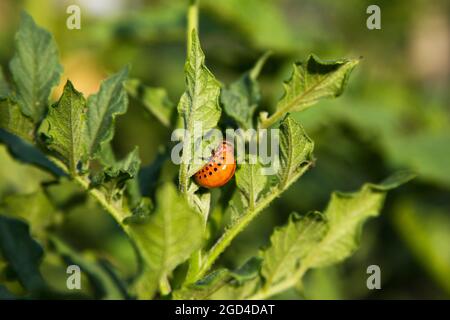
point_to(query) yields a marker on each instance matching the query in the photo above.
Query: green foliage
(204, 288)
(295, 152)
(35, 68)
(241, 98)
(103, 108)
(106, 286)
(14, 121)
(27, 152)
(172, 232)
(251, 182)
(311, 81)
(155, 100)
(5, 294)
(22, 253)
(290, 245)
(427, 233)
(274, 35)
(222, 280)
(170, 227)
(316, 240)
(35, 208)
(346, 214)
(114, 177)
(4, 87)
(199, 104)
(65, 127)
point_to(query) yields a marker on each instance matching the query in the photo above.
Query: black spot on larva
(219, 164)
(223, 158)
(210, 173)
(200, 177)
(207, 168)
(210, 164)
(215, 169)
(204, 175)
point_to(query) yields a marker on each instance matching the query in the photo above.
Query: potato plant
(171, 225)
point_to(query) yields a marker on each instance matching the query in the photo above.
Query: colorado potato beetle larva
(219, 169)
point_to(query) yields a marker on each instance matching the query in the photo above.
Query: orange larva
(219, 169)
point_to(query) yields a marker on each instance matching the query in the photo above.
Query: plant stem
(192, 22)
(232, 232)
(183, 179)
(117, 214)
(266, 123)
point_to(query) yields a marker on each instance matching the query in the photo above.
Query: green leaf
(311, 81)
(262, 23)
(5, 294)
(4, 86)
(104, 284)
(14, 121)
(200, 101)
(22, 253)
(242, 283)
(295, 152)
(155, 100)
(425, 230)
(141, 213)
(151, 173)
(64, 127)
(312, 242)
(248, 271)
(251, 182)
(204, 288)
(346, 214)
(113, 178)
(219, 279)
(199, 104)
(199, 201)
(168, 238)
(421, 151)
(238, 292)
(35, 68)
(28, 153)
(103, 107)
(106, 155)
(35, 208)
(296, 158)
(240, 99)
(290, 244)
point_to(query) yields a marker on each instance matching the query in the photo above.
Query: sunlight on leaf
(290, 244)
(14, 121)
(103, 108)
(64, 127)
(295, 152)
(35, 67)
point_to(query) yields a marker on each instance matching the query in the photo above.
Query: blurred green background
(395, 114)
